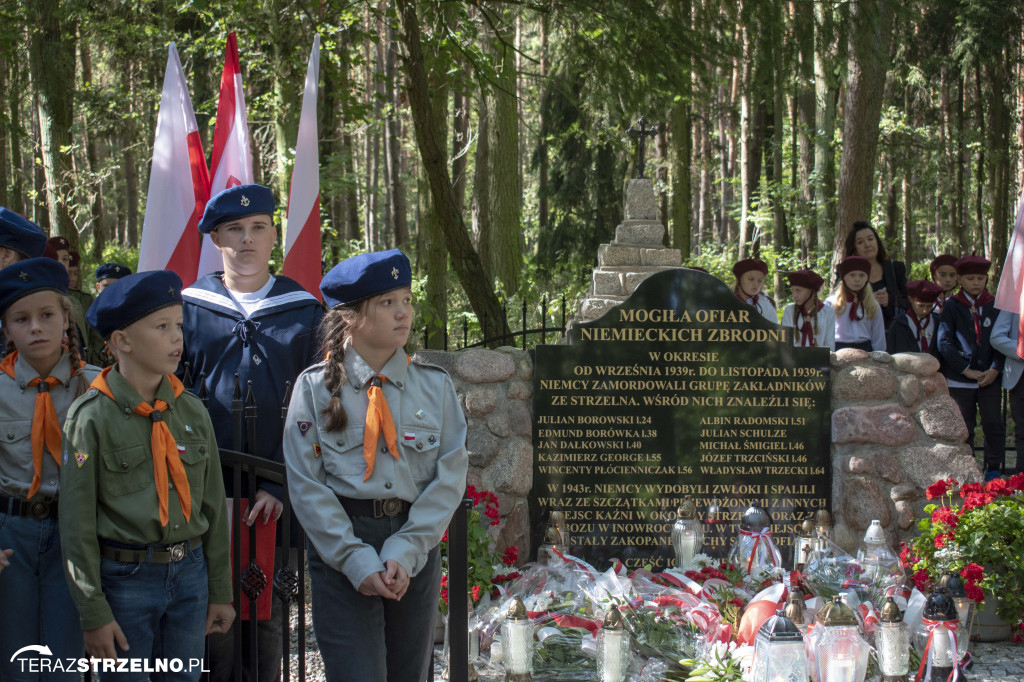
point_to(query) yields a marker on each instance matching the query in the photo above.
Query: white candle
(611, 665)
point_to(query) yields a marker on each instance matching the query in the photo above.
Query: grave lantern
(613, 648)
(965, 609)
(754, 550)
(794, 609)
(687, 533)
(517, 643)
(892, 641)
(779, 652)
(936, 640)
(803, 544)
(840, 654)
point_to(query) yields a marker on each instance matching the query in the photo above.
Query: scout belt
(33, 509)
(378, 509)
(154, 554)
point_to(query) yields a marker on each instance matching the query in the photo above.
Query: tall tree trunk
(826, 97)
(432, 146)
(460, 145)
(5, 138)
(979, 115)
(542, 145)
(92, 155)
(396, 188)
(40, 213)
(724, 170)
(52, 48)
(960, 216)
(681, 127)
(17, 194)
(747, 126)
(804, 29)
(482, 186)
(998, 74)
(870, 36)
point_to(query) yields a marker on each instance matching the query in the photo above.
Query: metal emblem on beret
(23, 275)
(244, 201)
(394, 272)
(117, 268)
(171, 291)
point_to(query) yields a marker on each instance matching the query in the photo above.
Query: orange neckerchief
(378, 419)
(165, 449)
(45, 424)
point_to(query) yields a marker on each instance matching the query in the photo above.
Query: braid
(81, 385)
(334, 330)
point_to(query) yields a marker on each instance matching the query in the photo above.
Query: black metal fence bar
(506, 337)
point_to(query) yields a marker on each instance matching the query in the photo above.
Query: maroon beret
(808, 279)
(923, 290)
(74, 259)
(50, 251)
(749, 264)
(59, 243)
(854, 264)
(972, 265)
(942, 259)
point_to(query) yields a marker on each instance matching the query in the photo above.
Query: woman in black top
(888, 277)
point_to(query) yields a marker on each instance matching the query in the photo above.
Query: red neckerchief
(854, 304)
(975, 307)
(920, 328)
(749, 300)
(806, 330)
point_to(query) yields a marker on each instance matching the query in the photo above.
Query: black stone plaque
(681, 389)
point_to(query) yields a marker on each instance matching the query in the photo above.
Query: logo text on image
(45, 662)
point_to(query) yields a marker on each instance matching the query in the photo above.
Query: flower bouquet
(977, 531)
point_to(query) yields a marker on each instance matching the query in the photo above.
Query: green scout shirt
(93, 341)
(108, 491)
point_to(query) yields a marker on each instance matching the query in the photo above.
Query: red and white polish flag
(231, 161)
(178, 182)
(302, 225)
(1010, 292)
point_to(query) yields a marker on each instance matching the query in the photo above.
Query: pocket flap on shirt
(194, 451)
(422, 440)
(15, 429)
(123, 460)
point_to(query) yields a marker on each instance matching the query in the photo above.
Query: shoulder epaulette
(421, 362)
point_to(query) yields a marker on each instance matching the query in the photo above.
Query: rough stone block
(940, 418)
(512, 470)
(482, 366)
(606, 282)
(859, 465)
(920, 364)
(594, 308)
(905, 516)
(641, 200)
(498, 425)
(904, 493)
(934, 385)
(923, 465)
(631, 280)
(615, 254)
(848, 356)
(640, 232)
(515, 531)
(910, 389)
(519, 419)
(883, 424)
(661, 257)
(862, 502)
(482, 447)
(481, 400)
(887, 468)
(518, 390)
(881, 356)
(863, 382)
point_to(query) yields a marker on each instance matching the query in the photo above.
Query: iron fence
(507, 337)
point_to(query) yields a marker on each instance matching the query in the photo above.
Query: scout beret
(972, 265)
(74, 259)
(29, 276)
(749, 264)
(21, 234)
(942, 259)
(131, 298)
(365, 275)
(854, 264)
(59, 243)
(234, 203)
(50, 252)
(698, 269)
(923, 290)
(808, 279)
(112, 271)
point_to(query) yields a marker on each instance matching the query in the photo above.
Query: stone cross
(638, 131)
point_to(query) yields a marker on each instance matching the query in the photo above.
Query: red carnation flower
(946, 516)
(921, 580)
(975, 593)
(968, 488)
(939, 488)
(977, 499)
(972, 573)
(476, 593)
(510, 556)
(998, 486)
(1016, 482)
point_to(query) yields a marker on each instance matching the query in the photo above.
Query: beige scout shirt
(108, 491)
(16, 408)
(430, 471)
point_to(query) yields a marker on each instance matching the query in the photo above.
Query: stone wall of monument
(895, 431)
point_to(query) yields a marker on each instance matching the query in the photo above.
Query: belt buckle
(39, 510)
(391, 506)
(177, 551)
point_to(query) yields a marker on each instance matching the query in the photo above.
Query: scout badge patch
(304, 427)
(80, 457)
(316, 449)
(408, 436)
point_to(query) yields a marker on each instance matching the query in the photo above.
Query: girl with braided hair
(39, 378)
(813, 322)
(376, 458)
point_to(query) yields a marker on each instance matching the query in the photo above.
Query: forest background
(488, 139)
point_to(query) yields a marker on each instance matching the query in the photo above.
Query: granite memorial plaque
(682, 389)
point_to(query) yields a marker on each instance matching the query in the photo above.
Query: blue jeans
(372, 639)
(35, 601)
(161, 608)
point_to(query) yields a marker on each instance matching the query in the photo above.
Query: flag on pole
(302, 222)
(231, 162)
(178, 182)
(1010, 292)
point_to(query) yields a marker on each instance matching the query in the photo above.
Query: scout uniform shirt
(16, 409)
(964, 338)
(822, 326)
(108, 491)
(430, 470)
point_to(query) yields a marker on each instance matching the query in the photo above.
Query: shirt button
(124, 465)
(384, 450)
(339, 443)
(127, 410)
(398, 383)
(388, 485)
(419, 446)
(177, 526)
(10, 436)
(53, 482)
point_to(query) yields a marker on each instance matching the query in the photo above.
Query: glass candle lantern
(546, 552)
(965, 608)
(840, 654)
(779, 652)
(517, 643)
(753, 549)
(892, 641)
(882, 572)
(794, 610)
(822, 528)
(687, 533)
(613, 648)
(936, 640)
(803, 544)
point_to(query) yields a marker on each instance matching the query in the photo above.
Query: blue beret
(131, 298)
(366, 275)
(112, 271)
(234, 203)
(21, 234)
(29, 276)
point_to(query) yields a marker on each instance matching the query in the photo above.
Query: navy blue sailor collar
(209, 292)
(359, 371)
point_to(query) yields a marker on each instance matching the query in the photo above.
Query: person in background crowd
(750, 274)
(93, 343)
(376, 457)
(888, 277)
(143, 518)
(1004, 335)
(39, 379)
(943, 269)
(858, 317)
(108, 273)
(246, 321)
(74, 270)
(915, 330)
(62, 248)
(813, 322)
(972, 365)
